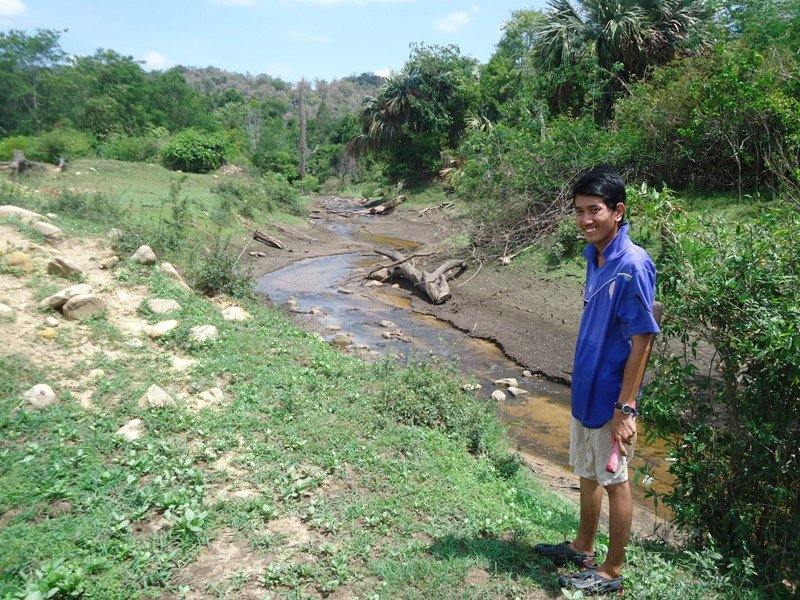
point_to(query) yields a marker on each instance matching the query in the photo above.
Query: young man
(614, 339)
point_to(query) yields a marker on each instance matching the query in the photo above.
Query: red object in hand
(613, 458)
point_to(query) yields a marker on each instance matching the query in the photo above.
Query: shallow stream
(538, 421)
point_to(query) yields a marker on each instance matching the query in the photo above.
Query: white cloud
(11, 8)
(234, 2)
(453, 22)
(155, 61)
(306, 37)
(279, 70)
(383, 72)
(476, 8)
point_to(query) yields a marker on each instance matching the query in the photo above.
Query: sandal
(561, 553)
(592, 582)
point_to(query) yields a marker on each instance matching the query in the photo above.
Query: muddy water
(538, 422)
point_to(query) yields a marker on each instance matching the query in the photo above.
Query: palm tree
(625, 37)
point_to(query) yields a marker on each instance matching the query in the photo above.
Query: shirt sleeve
(636, 305)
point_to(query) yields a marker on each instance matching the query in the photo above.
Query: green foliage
(193, 151)
(733, 435)
(9, 144)
(83, 205)
(217, 271)
(70, 144)
(54, 579)
(131, 149)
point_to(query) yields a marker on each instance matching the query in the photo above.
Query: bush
(193, 151)
(131, 149)
(281, 193)
(217, 271)
(8, 145)
(70, 144)
(83, 205)
(734, 435)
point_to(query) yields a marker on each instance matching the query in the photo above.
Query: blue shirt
(618, 304)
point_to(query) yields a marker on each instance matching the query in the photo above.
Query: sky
(290, 39)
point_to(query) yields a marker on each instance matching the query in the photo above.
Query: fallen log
(441, 206)
(269, 241)
(433, 284)
(289, 231)
(386, 207)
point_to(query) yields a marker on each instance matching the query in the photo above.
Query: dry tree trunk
(386, 207)
(18, 164)
(434, 284)
(269, 241)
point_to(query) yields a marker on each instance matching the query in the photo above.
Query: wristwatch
(626, 409)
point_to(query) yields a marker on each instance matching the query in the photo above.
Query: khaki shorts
(589, 450)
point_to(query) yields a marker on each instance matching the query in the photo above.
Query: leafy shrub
(131, 149)
(278, 161)
(70, 144)
(94, 206)
(217, 271)
(281, 193)
(564, 243)
(733, 435)
(54, 579)
(193, 151)
(9, 144)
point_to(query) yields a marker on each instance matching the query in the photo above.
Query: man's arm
(623, 427)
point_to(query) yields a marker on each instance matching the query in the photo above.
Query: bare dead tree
(433, 284)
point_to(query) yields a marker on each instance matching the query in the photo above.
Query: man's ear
(619, 212)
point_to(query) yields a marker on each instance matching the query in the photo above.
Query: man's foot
(591, 581)
(562, 553)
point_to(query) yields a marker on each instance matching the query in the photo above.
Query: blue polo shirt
(618, 303)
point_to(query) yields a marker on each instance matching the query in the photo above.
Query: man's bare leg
(620, 514)
(591, 499)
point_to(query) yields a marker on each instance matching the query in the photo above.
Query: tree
(24, 61)
(625, 38)
(420, 111)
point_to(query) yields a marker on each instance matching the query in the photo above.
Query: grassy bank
(318, 475)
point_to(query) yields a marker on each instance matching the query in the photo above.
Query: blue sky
(315, 39)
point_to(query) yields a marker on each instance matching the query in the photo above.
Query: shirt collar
(615, 247)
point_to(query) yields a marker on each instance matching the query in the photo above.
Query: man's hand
(623, 428)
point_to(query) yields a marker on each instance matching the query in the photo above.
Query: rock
(527, 374)
(387, 335)
(114, 233)
(63, 268)
(144, 256)
(83, 306)
(162, 306)
(316, 311)
(342, 340)
(51, 322)
(160, 329)
(498, 395)
(52, 216)
(388, 324)
(155, 397)
(56, 301)
(21, 213)
(373, 283)
(333, 328)
(203, 333)
(19, 260)
(395, 286)
(471, 387)
(182, 364)
(173, 274)
(506, 383)
(235, 313)
(344, 291)
(516, 392)
(109, 262)
(290, 305)
(132, 430)
(96, 373)
(6, 311)
(380, 275)
(212, 396)
(48, 333)
(47, 230)
(40, 396)
(134, 343)
(361, 346)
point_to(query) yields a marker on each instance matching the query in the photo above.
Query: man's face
(598, 222)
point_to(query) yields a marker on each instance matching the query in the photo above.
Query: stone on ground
(48, 230)
(132, 430)
(527, 374)
(155, 397)
(63, 268)
(471, 387)
(83, 306)
(388, 324)
(342, 340)
(162, 306)
(109, 262)
(235, 313)
(96, 373)
(21, 213)
(59, 299)
(506, 383)
(47, 333)
(182, 364)
(516, 392)
(498, 395)
(51, 322)
(40, 396)
(19, 260)
(212, 396)
(144, 256)
(160, 329)
(203, 333)
(6, 311)
(171, 272)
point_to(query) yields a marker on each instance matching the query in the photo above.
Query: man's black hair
(604, 182)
